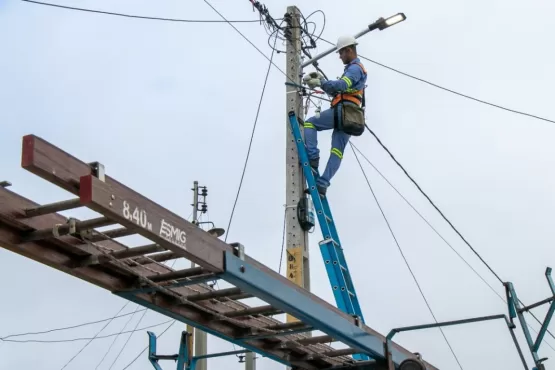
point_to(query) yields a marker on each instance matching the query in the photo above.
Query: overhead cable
(116, 338)
(69, 327)
(79, 339)
(405, 259)
(127, 341)
(144, 349)
(443, 238)
(95, 336)
(251, 139)
(138, 16)
(445, 218)
(449, 90)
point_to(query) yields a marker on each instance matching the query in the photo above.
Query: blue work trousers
(339, 140)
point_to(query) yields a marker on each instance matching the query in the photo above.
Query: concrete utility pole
(298, 269)
(198, 337)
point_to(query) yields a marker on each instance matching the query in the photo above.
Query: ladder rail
(330, 248)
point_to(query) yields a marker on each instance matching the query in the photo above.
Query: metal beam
(301, 305)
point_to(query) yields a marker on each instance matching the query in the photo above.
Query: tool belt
(351, 121)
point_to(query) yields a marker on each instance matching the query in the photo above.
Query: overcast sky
(162, 104)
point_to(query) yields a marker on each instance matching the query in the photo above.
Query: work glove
(313, 79)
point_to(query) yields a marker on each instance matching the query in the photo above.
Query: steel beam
(299, 303)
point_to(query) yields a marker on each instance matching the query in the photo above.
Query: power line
(282, 239)
(144, 349)
(405, 259)
(445, 240)
(68, 327)
(116, 337)
(137, 16)
(93, 338)
(427, 222)
(445, 217)
(82, 339)
(449, 90)
(127, 341)
(251, 139)
(434, 205)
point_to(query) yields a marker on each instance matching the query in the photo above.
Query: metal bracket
(98, 171)
(239, 250)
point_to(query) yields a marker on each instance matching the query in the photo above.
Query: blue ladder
(332, 252)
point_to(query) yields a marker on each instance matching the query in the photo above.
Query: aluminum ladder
(331, 249)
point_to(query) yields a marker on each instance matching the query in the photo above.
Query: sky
(163, 104)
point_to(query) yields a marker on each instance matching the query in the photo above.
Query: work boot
(315, 163)
(321, 190)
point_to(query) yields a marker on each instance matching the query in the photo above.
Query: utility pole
(198, 337)
(298, 269)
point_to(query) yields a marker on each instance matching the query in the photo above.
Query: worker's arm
(352, 75)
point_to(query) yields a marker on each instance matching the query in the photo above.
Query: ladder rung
(343, 268)
(351, 293)
(329, 219)
(328, 240)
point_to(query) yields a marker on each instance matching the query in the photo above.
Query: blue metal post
(182, 356)
(549, 314)
(152, 350)
(522, 319)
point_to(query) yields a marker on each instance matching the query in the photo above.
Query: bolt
(110, 204)
(242, 269)
(113, 197)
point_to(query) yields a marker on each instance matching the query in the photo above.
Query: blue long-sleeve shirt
(353, 79)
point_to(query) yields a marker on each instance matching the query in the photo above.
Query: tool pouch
(352, 122)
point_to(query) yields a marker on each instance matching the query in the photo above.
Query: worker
(348, 97)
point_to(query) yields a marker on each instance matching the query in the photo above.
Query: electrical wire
(67, 327)
(127, 341)
(404, 257)
(137, 16)
(44, 341)
(445, 240)
(251, 140)
(427, 222)
(116, 337)
(444, 217)
(144, 349)
(96, 335)
(449, 90)
(282, 240)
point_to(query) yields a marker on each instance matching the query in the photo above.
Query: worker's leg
(311, 127)
(339, 141)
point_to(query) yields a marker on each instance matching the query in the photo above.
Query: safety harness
(352, 121)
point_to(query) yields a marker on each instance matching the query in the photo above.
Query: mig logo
(173, 234)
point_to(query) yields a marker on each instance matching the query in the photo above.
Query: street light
(380, 24)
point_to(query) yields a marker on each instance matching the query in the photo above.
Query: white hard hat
(344, 41)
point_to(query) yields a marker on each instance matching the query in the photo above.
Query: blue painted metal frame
(268, 288)
(509, 324)
(162, 311)
(549, 314)
(181, 357)
(516, 310)
(184, 362)
(330, 248)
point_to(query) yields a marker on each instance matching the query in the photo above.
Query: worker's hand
(317, 75)
(314, 82)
